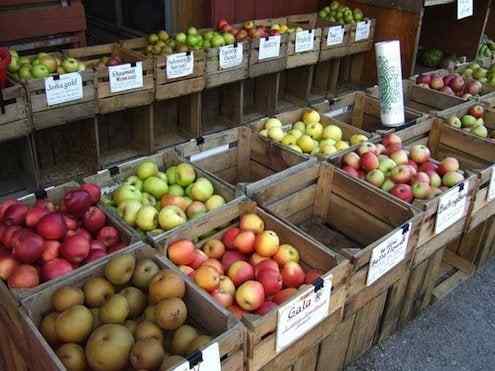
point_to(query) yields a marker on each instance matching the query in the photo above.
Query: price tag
(464, 8)
(230, 55)
(180, 65)
(303, 313)
(304, 41)
(491, 186)
(388, 254)
(335, 35)
(269, 47)
(206, 360)
(125, 77)
(451, 207)
(66, 88)
(362, 30)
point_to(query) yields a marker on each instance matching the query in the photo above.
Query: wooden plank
(447, 286)
(334, 348)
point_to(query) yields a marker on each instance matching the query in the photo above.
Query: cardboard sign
(125, 77)
(230, 56)
(451, 207)
(206, 360)
(335, 35)
(66, 88)
(180, 65)
(304, 41)
(491, 186)
(269, 47)
(362, 30)
(464, 8)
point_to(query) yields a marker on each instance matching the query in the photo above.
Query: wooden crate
(261, 336)
(259, 96)
(294, 88)
(308, 23)
(325, 79)
(328, 52)
(202, 313)
(14, 115)
(108, 101)
(313, 199)
(361, 46)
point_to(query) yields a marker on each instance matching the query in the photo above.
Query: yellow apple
(301, 126)
(311, 117)
(276, 134)
(264, 133)
(295, 133)
(296, 148)
(328, 149)
(358, 138)
(341, 145)
(332, 132)
(272, 123)
(306, 143)
(327, 141)
(289, 139)
(314, 130)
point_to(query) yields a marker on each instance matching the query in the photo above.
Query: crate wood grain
(108, 101)
(308, 23)
(325, 80)
(328, 52)
(259, 97)
(361, 46)
(202, 313)
(294, 88)
(216, 75)
(222, 107)
(14, 112)
(261, 330)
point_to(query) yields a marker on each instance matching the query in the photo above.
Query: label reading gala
(66, 88)
(125, 77)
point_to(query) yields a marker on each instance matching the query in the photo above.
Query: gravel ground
(455, 334)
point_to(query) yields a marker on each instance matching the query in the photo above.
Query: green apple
(40, 71)
(13, 53)
(146, 169)
(147, 218)
(155, 186)
(289, 139)
(468, 121)
(301, 126)
(176, 190)
(306, 143)
(162, 176)
(386, 164)
(295, 133)
(192, 31)
(328, 149)
(148, 199)
(332, 132)
(70, 65)
(35, 62)
(153, 38)
(185, 174)
(314, 130)
(171, 175)
(214, 202)
(163, 36)
(327, 142)
(14, 65)
(202, 190)
(25, 72)
(128, 211)
(480, 131)
(276, 134)
(181, 38)
(171, 216)
(24, 60)
(189, 191)
(134, 181)
(187, 201)
(228, 38)
(272, 123)
(358, 138)
(217, 41)
(50, 63)
(126, 192)
(208, 35)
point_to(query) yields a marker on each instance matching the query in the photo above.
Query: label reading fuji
(451, 207)
(209, 361)
(362, 30)
(464, 8)
(335, 35)
(304, 41)
(180, 65)
(230, 56)
(125, 77)
(269, 47)
(67, 88)
(491, 187)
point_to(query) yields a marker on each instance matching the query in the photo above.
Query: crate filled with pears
(129, 312)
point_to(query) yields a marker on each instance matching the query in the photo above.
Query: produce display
(487, 49)
(338, 13)
(132, 316)
(450, 84)
(407, 174)
(45, 241)
(248, 270)
(432, 57)
(154, 201)
(472, 122)
(476, 72)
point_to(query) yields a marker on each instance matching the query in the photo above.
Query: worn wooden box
(294, 87)
(260, 96)
(332, 49)
(15, 119)
(363, 45)
(261, 330)
(308, 23)
(222, 107)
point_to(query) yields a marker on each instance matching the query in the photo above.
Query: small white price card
(335, 35)
(230, 56)
(451, 207)
(208, 361)
(303, 313)
(180, 65)
(269, 47)
(125, 77)
(304, 41)
(464, 8)
(66, 88)
(491, 187)
(362, 30)
(388, 253)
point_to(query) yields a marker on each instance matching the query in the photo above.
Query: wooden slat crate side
(179, 88)
(338, 50)
(198, 69)
(362, 45)
(14, 114)
(215, 75)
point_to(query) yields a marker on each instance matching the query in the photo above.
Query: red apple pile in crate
(472, 122)
(451, 84)
(406, 174)
(251, 31)
(248, 270)
(45, 241)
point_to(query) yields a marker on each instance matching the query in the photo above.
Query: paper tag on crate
(491, 186)
(305, 41)
(269, 47)
(180, 65)
(230, 55)
(388, 254)
(335, 35)
(125, 77)
(302, 313)
(66, 88)
(362, 30)
(206, 360)
(464, 8)
(451, 207)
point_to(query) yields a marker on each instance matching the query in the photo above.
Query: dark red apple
(94, 191)
(52, 226)
(402, 191)
(15, 214)
(118, 246)
(76, 202)
(95, 255)
(9, 234)
(71, 223)
(94, 219)
(75, 249)
(108, 236)
(266, 307)
(423, 79)
(97, 245)
(55, 268)
(34, 215)
(28, 247)
(5, 205)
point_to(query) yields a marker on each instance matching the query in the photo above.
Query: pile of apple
(249, 30)
(154, 201)
(472, 122)
(162, 43)
(406, 174)
(451, 84)
(42, 66)
(476, 72)
(132, 317)
(338, 13)
(43, 242)
(248, 270)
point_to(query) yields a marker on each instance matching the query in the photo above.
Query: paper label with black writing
(451, 207)
(304, 41)
(180, 65)
(335, 35)
(269, 47)
(491, 186)
(125, 77)
(302, 313)
(362, 30)
(464, 8)
(388, 254)
(67, 88)
(210, 362)
(230, 55)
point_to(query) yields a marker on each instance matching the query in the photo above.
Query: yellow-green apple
(214, 263)
(266, 243)
(366, 147)
(328, 149)
(148, 199)
(295, 133)
(199, 258)
(286, 253)
(266, 307)
(435, 180)
(128, 210)
(146, 169)
(214, 202)
(272, 123)
(454, 121)
(387, 185)
(184, 174)
(229, 237)
(175, 190)
(386, 164)
(480, 131)
(448, 164)
(155, 186)
(202, 190)
(169, 200)
(171, 175)
(147, 218)
(214, 248)
(402, 191)
(351, 159)
(314, 130)
(400, 157)
(196, 209)
(276, 134)
(421, 190)
(369, 161)
(401, 174)
(284, 295)
(163, 176)
(332, 132)
(264, 133)
(358, 139)
(244, 242)
(305, 142)
(292, 275)
(252, 222)
(240, 271)
(230, 257)
(310, 117)
(181, 252)
(376, 177)
(451, 178)
(341, 145)
(223, 298)
(271, 281)
(226, 285)
(391, 139)
(420, 153)
(171, 217)
(134, 181)
(207, 278)
(288, 139)
(255, 259)
(266, 264)
(126, 192)
(311, 276)
(301, 126)
(250, 295)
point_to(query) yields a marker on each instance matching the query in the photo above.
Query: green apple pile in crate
(472, 122)
(339, 13)
(406, 174)
(476, 72)
(154, 201)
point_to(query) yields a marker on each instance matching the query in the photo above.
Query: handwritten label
(67, 88)
(180, 65)
(209, 360)
(335, 35)
(302, 313)
(269, 47)
(125, 77)
(362, 30)
(451, 207)
(491, 186)
(230, 56)
(464, 8)
(304, 41)
(388, 254)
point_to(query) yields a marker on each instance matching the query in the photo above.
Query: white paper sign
(230, 55)
(269, 47)
(304, 41)
(209, 152)
(362, 30)
(211, 361)
(337, 112)
(67, 88)
(491, 186)
(388, 254)
(125, 77)
(464, 8)
(180, 65)
(451, 207)
(335, 35)
(302, 313)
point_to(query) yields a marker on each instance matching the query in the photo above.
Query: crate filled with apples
(128, 312)
(472, 120)
(304, 40)
(254, 264)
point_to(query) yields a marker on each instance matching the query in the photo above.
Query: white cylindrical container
(389, 70)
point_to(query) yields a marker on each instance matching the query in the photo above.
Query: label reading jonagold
(230, 56)
(67, 88)
(125, 77)
(269, 47)
(451, 207)
(180, 65)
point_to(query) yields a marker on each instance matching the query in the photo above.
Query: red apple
(8, 234)
(186, 269)
(255, 259)
(55, 268)
(392, 148)
(7, 266)
(390, 139)
(236, 311)
(414, 167)
(351, 159)
(266, 307)
(199, 258)
(95, 255)
(420, 153)
(34, 215)
(284, 295)
(271, 281)
(266, 264)
(428, 166)
(76, 202)
(448, 164)
(351, 171)
(421, 190)
(50, 250)
(400, 157)
(225, 299)
(116, 247)
(244, 242)
(252, 222)
(369, 161)
(293, 275)
(457, 84)
(365, 148)
(437, 82)
(80, 232)
(214, 263)
(250, 295)
(108, 236)
(52, 226)
(15, 214)
(402, 191)
(400, 174)
(214, 248)
(476, 111)
(182, 252)
(75, 249)
(97, 245)
(423, 79)
(380, 148)
(311, 276)
(229, 236)
(240, 272)
(222, 23)
(24, 277)
(94, 219)
(230, 257)
(266, 243)
(28, 247)
(71, 223)
(94, 191)
(4, 205)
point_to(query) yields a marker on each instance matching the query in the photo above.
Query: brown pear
(131, 326)
(47, 328)
(171, 313)
(74, 325)
(147, 329)
(166, 284)
(147, 354)
(97, 291)
(72, 356)
(119, 269)
(144, 272)
(150, 314)
(66, 297)
(182, 338)
(96, 317)
(115, 310)
(136, 299)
